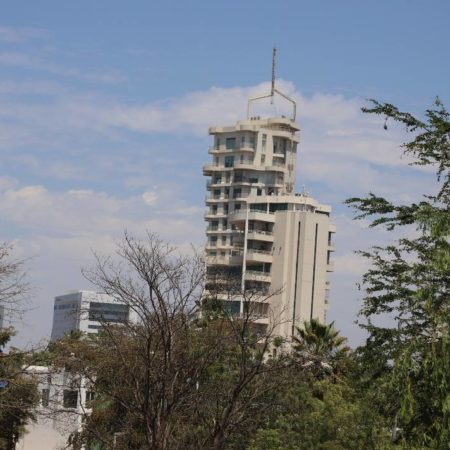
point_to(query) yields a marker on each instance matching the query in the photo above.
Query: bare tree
(14, 286)
(181, 374)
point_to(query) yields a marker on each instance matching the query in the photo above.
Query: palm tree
(320, 347)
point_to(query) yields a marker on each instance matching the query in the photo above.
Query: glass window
(230, 143)
(263, 159)
(90, 396)
(70, 398)
(264, 142)
(252, 141)
(45, 397)
(229, 161)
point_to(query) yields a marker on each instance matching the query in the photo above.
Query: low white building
(64, 401)
(86, 311)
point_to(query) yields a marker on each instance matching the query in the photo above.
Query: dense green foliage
(18, 392)
(409, 282)
(18, 396)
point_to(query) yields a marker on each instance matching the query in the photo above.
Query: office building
(86, 311)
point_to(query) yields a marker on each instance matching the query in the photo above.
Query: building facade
(275, 242)
(64, 403)
(86, 311)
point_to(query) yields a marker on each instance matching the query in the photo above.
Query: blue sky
(104, 109)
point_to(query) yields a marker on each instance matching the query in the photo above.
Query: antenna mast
(273, 90)
(274, 62)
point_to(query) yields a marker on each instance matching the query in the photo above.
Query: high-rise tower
(271, 239)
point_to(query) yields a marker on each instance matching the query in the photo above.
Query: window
(242, 158)
(45, 397)
(230, 143)
(224, 240)
(242, 140)
(252, 141)
(264, 142)
(90, 396)
(70, 398)
(237, 192)
(259, 191)
(237, 207)
(229, 161)
(217, 143)
(263, 159)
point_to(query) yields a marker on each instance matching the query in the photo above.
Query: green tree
(408, 286)
(322, 414)
(320, 346)
(18, 392)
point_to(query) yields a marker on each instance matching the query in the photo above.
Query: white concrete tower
(258, 230)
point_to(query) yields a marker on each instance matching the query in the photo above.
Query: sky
(105, 107)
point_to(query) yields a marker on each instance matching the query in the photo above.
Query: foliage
(409, 281)
(322, 414)
(18, 396)
(168, 380)
(18, 393)
(320, 348)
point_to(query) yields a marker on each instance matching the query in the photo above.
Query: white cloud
(14, 35)
(151, 198)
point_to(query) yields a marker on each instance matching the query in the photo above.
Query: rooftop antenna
(274, 62)
(273, 90)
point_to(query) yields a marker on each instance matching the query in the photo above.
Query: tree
(18, 393)
(409, 282)
(170, 378)
(14, 285)
(320, 347)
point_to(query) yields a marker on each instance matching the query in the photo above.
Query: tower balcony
(209, 169)
(219, 231)
(276, 168)
(256, 255)
(214, 215)
(254, 275)
(246, 164)
(260, 235)
(241, 215)
(216, 199)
